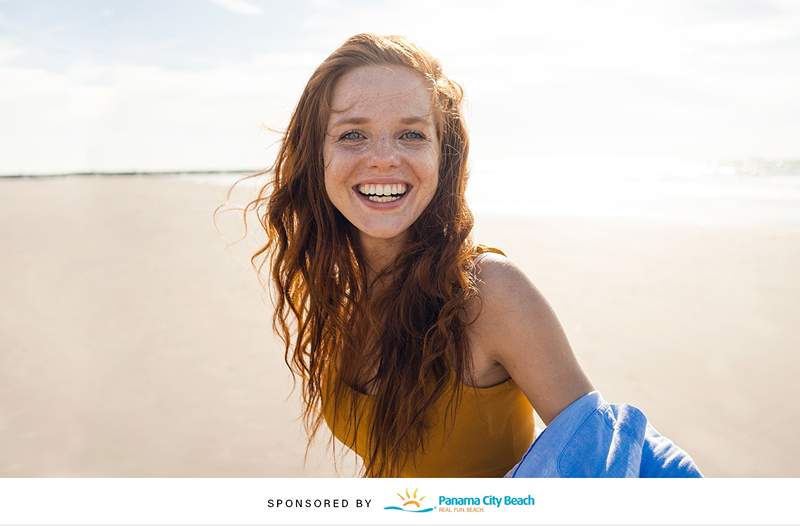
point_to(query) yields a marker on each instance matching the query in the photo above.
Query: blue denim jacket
(591, 438)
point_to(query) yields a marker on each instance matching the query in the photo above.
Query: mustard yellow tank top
(493, 428)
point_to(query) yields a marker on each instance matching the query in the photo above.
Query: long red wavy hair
(318, 271)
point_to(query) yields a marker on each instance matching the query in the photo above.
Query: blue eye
(352, 135)
(417, 135)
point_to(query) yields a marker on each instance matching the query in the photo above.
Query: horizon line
(134, 172)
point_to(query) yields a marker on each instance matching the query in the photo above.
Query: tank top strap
(481, 249)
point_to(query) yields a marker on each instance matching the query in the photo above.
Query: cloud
(746, 33)
(9, 52)
(110, 117)
(240, 7)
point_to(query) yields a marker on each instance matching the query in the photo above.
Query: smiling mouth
(382, 197)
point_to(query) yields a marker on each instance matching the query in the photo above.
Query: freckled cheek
(428, 168)
(337, 169)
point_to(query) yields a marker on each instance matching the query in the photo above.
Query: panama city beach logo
(412, 502)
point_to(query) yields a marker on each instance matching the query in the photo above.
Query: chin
(382, 233)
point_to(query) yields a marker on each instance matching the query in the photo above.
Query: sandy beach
(135, 342)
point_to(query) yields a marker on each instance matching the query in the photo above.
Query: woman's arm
(520, 331)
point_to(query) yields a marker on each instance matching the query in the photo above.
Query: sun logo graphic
(410, 503)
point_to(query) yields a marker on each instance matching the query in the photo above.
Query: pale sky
(194, 84)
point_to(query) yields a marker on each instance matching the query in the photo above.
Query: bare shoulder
(504, 288)
(518, 328)
(499, 277)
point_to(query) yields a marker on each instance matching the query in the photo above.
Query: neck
(380, 252)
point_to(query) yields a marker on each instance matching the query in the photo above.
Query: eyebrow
(363, 120)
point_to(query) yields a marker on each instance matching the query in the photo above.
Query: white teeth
(379, 199)
(383, 189)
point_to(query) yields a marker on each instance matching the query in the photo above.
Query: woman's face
(381, 151)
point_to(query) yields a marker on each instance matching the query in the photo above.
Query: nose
(384, 154)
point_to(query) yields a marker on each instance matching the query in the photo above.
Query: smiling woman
(382, 174)
(424, 352)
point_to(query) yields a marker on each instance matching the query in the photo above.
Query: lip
(382, 206)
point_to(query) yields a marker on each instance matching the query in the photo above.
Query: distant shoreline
(134, 173)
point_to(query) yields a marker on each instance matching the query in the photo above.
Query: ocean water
(669, 191)
(749, 192)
